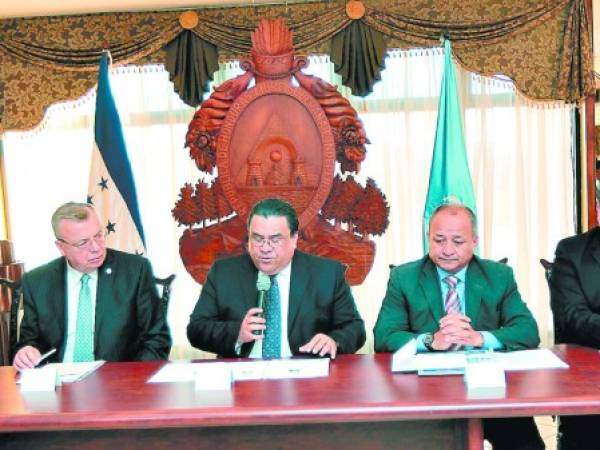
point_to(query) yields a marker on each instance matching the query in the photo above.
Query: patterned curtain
(545, 47)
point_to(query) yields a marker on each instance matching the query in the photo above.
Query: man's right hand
(250, 323)
(440, 341)
(26, 358)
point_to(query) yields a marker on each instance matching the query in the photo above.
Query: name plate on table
(484, 376)
(44, 379)
(213, 377)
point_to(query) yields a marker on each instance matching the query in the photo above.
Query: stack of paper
(247, 370)
(70, 372)
(442, 363)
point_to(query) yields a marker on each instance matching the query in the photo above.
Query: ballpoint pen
(45, 355)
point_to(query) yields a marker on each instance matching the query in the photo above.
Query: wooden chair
(165, 284)
(9, 346)
(547, 265)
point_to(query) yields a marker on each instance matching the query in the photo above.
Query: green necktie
(272, 339)
(84, 332)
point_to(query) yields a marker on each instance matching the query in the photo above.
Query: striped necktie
(452, 304)
(84, 333)
(272, 341)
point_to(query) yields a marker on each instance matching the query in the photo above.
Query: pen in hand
(45, 355)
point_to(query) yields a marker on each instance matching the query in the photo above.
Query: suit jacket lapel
(57, 302)
(430, 286)
(474, 289)
(107, 274)
(247, 281)
(592, 268)
(298, 279)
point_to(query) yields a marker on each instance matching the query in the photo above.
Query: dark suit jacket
(413, 305)
(320, 301)
(575, 289)
(129, 325)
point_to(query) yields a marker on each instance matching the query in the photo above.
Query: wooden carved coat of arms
(275, 139)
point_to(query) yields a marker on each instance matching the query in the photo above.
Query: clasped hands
(456, 329)
(320, 343)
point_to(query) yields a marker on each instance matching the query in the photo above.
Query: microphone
(263, 284)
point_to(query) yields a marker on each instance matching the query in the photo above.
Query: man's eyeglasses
(273, 241)
(85, 244)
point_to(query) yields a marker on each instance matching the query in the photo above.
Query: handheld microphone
(263, 284)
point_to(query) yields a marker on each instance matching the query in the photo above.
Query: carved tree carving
(276, 139)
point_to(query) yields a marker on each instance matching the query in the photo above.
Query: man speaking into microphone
(307, 305)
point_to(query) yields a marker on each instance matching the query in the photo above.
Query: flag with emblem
(111, 188)
(449, 176)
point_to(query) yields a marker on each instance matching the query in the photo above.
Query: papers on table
(444, 363)
(70, 372)
(274, 369)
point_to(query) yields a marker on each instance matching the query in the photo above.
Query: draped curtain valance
(545, 47)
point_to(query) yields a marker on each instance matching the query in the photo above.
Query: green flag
(449, 177)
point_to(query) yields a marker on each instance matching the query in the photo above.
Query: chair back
(165, 284)
(547, 265)
(10, 337)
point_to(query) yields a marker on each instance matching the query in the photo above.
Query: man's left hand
(320, 344)
(457, 329)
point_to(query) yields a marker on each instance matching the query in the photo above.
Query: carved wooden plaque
(279, 139)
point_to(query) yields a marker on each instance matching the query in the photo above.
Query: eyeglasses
(85, 244)
(273, 241)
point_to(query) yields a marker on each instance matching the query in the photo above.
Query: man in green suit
(451, 300)
(114, 315)
(308, 307)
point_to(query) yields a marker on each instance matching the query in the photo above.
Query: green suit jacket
(320, 301)
(413, 305)
(129, 324)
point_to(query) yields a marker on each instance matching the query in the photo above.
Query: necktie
(452, 304)
(84, 333)
(272, 341)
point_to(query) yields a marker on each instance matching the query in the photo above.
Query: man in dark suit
(92, 303)
(482, 309)
(575, 300)
(309, 306)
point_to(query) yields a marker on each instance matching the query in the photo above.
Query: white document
(454, 362)
(174, 372)
(540, 358)
(297, 368)
(247, 370)
(70, 372)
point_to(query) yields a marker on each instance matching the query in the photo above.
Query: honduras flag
(449, 176)
(111, 188)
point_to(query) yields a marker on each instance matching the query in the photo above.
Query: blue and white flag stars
(111, 188)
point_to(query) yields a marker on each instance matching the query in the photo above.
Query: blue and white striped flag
(112, 189)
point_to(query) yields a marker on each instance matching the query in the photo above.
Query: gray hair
(79, 212)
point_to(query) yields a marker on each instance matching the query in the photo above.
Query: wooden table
(360, 405)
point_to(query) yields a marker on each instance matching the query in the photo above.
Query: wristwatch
(428, 342)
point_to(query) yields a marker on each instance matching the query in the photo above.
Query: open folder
(406, 359)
